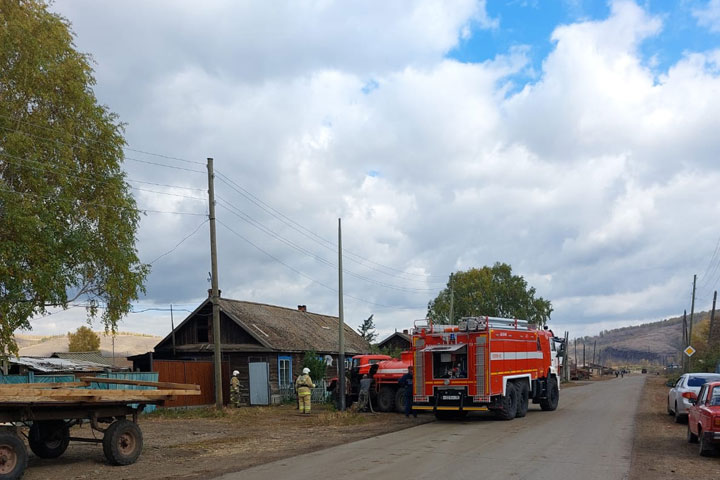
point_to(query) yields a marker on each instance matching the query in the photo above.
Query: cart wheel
(49, 438)
(122, 443)
(13, 456)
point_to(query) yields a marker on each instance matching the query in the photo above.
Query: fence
(319, 394)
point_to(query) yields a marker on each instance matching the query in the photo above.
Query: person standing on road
(304, 384)
(235, 389)
(406, 382)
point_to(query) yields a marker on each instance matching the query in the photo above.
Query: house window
(285, 372)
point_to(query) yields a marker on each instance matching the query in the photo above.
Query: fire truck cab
(484, 363)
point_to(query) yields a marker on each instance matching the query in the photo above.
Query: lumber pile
(79, 392)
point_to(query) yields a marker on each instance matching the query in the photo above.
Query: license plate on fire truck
(451, 397)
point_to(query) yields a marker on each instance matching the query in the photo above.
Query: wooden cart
(50, 409)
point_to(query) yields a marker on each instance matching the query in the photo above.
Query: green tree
(316, 365)
(83, 340)
(490, 291)
(67, 220)
(367, 329)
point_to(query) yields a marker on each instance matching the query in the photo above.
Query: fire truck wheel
(551, 402)
(523, 398)
(400, 400)
(386, 399)
(509, 403)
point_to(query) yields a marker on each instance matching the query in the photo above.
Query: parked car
(704, 419)
(687, 386)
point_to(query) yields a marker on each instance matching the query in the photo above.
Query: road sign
(689, 351)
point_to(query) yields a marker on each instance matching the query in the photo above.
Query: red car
(704, 418)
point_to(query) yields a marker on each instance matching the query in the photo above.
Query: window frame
(289, 360)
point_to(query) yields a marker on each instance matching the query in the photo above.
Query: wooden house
(265, 343)
(396, 341)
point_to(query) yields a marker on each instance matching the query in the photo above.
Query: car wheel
(691, 437)
(706, 448)
(669, 410)
(678, 418)
(523, 398)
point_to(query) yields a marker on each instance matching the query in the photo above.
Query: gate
(259, 383)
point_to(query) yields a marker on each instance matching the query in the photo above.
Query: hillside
(657, 343)
(126, 344)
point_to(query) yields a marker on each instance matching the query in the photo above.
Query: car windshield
(697, 381)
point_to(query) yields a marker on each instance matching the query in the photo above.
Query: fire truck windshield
(450, 365)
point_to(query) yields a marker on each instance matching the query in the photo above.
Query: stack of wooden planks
(79, 392)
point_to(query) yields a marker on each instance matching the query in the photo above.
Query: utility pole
(341, 317)
(576, 364)
(684, 342)
(692, 311)
(452, 299)
(594, 346)
(215, 294)
(584, 364)
(172, 326)
(566, 370)
(711, 333)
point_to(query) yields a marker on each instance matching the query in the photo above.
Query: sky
(575, 140)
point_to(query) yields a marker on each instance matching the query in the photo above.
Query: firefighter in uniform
(235, 389)
(406, 382)
(304, 384)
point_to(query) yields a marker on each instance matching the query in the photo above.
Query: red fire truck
(484, 363)
(385, 371)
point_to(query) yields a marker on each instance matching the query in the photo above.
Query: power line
(119, 207)
(45, 127)
(180, 243)
(41, 166)
(307, 276)
(259, 226)
(314, 237)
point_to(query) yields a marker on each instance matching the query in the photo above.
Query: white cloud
(596, 182)
(709, 15)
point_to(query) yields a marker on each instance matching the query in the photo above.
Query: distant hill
(126, 344)
(657, 343)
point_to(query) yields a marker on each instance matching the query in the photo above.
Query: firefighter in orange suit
(303, 384)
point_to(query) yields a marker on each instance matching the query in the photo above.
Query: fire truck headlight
(447, 381)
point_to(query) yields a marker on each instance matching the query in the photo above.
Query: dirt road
(589, 436)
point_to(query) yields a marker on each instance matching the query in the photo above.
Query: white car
(679, 395)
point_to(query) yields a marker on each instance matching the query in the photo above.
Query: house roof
(95, 357)
(288, 329)
(48, 365)
(404, 336)
(282, 329)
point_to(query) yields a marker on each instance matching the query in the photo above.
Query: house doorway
(259, 383)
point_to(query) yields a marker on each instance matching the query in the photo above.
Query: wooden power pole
(712, 336)
(341, 315)
(215, 293)
(692, 311)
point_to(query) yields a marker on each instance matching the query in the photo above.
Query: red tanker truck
(385, 393)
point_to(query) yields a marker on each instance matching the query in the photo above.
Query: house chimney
(405, 331)
(302, 308)
(210, 293)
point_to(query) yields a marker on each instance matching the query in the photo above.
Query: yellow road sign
(689, 351)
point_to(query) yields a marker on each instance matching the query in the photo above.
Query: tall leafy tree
(490, 291)
(367, 329)
(83, 340)
(67, 220)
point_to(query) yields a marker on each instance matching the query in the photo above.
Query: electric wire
(304, 275)
(316, 238)
(45, 127)
(258, 225)
(119, 207)
(179, 243)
